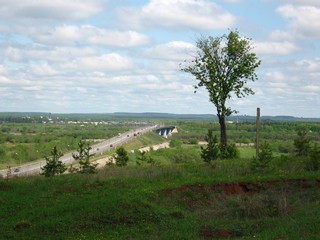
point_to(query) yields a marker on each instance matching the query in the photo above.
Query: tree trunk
(223, 132)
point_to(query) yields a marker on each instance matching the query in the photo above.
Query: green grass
(176, 201)
(144, 140)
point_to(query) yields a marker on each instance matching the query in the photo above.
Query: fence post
(257, 132)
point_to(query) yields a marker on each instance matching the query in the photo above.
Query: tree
(53, 164)
(224, 65)
(121, 157)
(211, 152)
(141, 158)
(260, 163)
(301, 143)
(313, 163)
(83, 156)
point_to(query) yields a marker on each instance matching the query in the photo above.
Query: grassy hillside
(176, 201)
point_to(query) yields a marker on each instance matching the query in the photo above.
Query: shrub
(175, 143)
(142, 158)
(231, 153)
(193, 141)
(83, 157)
(121, 157)
(187, 155)
(301, 143)
(260, 163)
(313, 160)
(53, 164)
(211, 152)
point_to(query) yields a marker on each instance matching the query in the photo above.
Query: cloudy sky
(103, 56)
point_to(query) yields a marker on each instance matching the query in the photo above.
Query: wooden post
(257, 132)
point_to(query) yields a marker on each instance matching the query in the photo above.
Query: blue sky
(103, 56)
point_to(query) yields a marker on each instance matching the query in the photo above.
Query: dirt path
(103, 161)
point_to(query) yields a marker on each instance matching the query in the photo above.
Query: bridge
(166, 131)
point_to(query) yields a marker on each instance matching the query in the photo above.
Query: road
(35, 167)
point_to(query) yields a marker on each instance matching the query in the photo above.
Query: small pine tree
(121, 157)
(143, 158)
(211, 152)
(260, 163)
(53, 164)
(301, 143)
(313, 162)
(83, 157)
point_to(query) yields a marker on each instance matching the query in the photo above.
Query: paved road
(35, 167)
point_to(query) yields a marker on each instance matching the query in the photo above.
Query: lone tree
(224, 65)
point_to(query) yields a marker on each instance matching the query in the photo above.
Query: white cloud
(176, 50)
(194, 14)
(42, 70)
(309, 65)
(300, 2)
(41, 53)
(276, 48)
(50, 10)
(103, 63)
(88, 34)
(303, 21)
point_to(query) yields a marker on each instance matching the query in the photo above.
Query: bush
(313, 160)
(231, 153)
(301, 143)
(175, 143)
(185, 155)
(53, 164)
(83, 157)
(260, 163)
(211, 152)
(193, 141)
(121, 157)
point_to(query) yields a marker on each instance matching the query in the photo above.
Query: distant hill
(32, 116)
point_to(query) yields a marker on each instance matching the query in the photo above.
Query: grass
(150, 138)
(174, 201)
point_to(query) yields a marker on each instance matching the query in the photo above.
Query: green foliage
(143, 158)
(302, 143)
(184, 155)
(232, 152)
(211, 151)
(53, 165)
(223, 66)
(193, 141)
(121, 157)
(83, 156)
(175, 143)
(262, 162)
(313, 160)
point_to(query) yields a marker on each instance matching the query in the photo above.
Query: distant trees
(224, 65)
(53, 165)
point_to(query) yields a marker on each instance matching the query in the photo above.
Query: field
(177, 196)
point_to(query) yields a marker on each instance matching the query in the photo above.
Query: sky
(105, 56)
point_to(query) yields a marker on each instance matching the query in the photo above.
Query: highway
(34, 168)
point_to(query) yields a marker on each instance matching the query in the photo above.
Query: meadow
(177, 196)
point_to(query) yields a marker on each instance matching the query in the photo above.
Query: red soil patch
(240, 188)
(209, 232)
